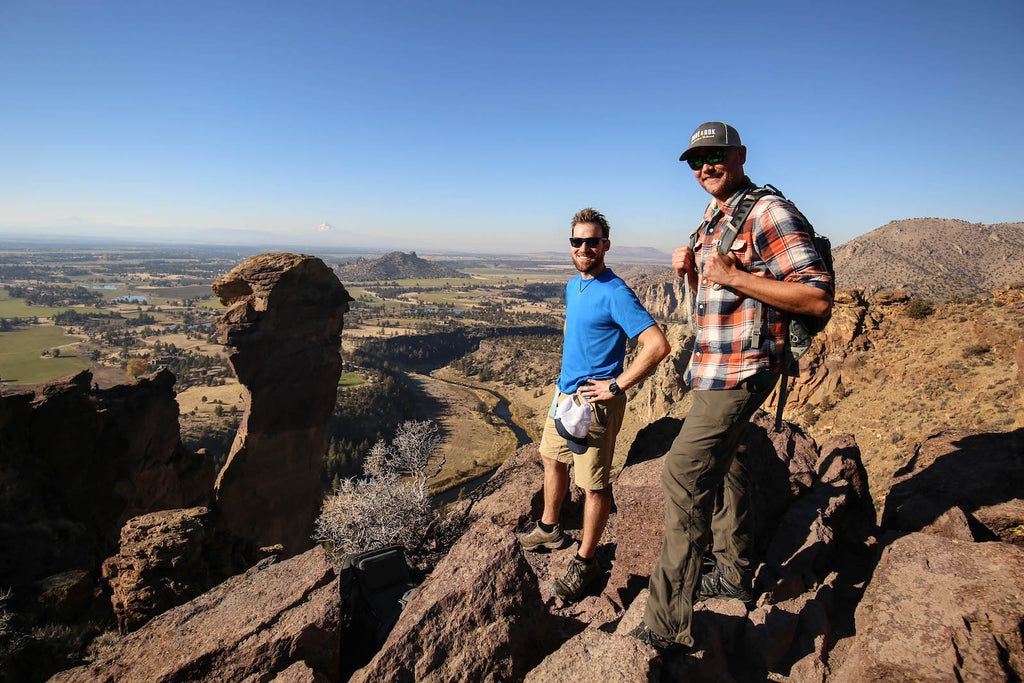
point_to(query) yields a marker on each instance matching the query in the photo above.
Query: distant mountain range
(933, 258)
(395, 265)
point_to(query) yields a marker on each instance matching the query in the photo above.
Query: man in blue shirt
(601, 313)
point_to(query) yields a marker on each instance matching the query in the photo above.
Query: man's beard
(594, 265)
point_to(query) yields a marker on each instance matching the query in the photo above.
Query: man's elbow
(655, 344)
(660, 348)
(820, 305)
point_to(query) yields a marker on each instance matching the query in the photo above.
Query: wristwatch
(614, 388)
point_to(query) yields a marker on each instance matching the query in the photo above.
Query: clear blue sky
(483, 126)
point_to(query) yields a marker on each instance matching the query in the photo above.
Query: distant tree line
(363, 415)
(12, 323)
(54, 295)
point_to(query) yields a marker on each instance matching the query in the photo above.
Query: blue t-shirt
(600, 315)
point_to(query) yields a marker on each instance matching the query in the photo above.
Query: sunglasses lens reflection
(711, 158)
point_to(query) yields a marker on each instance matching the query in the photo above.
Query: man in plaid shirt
(773, 260)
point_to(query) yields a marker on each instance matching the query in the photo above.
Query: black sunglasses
(592, 242)
(715, 156)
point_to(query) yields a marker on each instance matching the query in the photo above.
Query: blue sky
(483, 126)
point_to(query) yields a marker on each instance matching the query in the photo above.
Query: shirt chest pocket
(741, 250)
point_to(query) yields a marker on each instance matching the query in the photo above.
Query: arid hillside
(898, 377)
(933, 258)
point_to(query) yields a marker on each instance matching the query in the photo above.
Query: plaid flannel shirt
(774, 240)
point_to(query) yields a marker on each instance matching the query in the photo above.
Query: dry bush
(918, 309)
(975, 350)
(390, 504)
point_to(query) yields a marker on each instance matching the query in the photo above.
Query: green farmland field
(20, 359)
(350, 379)
(17, 308)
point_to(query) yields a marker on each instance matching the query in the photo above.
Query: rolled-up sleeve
(785, 245)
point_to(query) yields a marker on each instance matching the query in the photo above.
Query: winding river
(503, 412)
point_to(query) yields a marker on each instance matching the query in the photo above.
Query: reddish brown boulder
(166, 559)
(513, 495)
(283, 328)
(940, 610)
(1004, 520)
(296, 673)
(478, 617)
(594, 655)
(256, 624)
(64, 597)
(956, 468)
(803, 540)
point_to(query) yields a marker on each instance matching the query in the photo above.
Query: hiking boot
(715, 585)
(659, 642)
(579, 576)
(536, 539)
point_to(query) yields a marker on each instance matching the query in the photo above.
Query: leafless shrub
(5, 614)
(389, 505)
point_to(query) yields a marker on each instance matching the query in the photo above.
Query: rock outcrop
(478, 617)
(813, 512)
(940, 610)
(252, 627)
(656, 396)
(662, 294)
(78, 462)
(283, 326)
(966, 469)
(166, 559)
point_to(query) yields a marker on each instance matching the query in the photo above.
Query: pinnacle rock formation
(283, 327)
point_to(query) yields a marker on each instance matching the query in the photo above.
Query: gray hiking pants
(705, 484)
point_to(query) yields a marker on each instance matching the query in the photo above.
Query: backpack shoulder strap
(732, 228)
(739, 216)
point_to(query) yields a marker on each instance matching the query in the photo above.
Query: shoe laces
(575, 574)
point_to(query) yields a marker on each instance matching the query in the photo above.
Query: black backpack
(375, 586)
(801, 329)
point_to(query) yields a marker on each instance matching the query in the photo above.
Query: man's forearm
(793, 297)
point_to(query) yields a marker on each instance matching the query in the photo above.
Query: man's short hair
(594, 216)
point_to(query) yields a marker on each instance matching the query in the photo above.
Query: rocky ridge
(283, 327)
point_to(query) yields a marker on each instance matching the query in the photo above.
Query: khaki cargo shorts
(593, 467)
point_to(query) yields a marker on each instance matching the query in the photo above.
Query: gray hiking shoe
(536, 539)
(715, 585)
(659, 642)
(577, 579)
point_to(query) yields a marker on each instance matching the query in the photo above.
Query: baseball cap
(712, 134)
(572, 421)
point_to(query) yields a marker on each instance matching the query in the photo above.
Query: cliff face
(662, 294)
(284, 330)
(78, 462)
